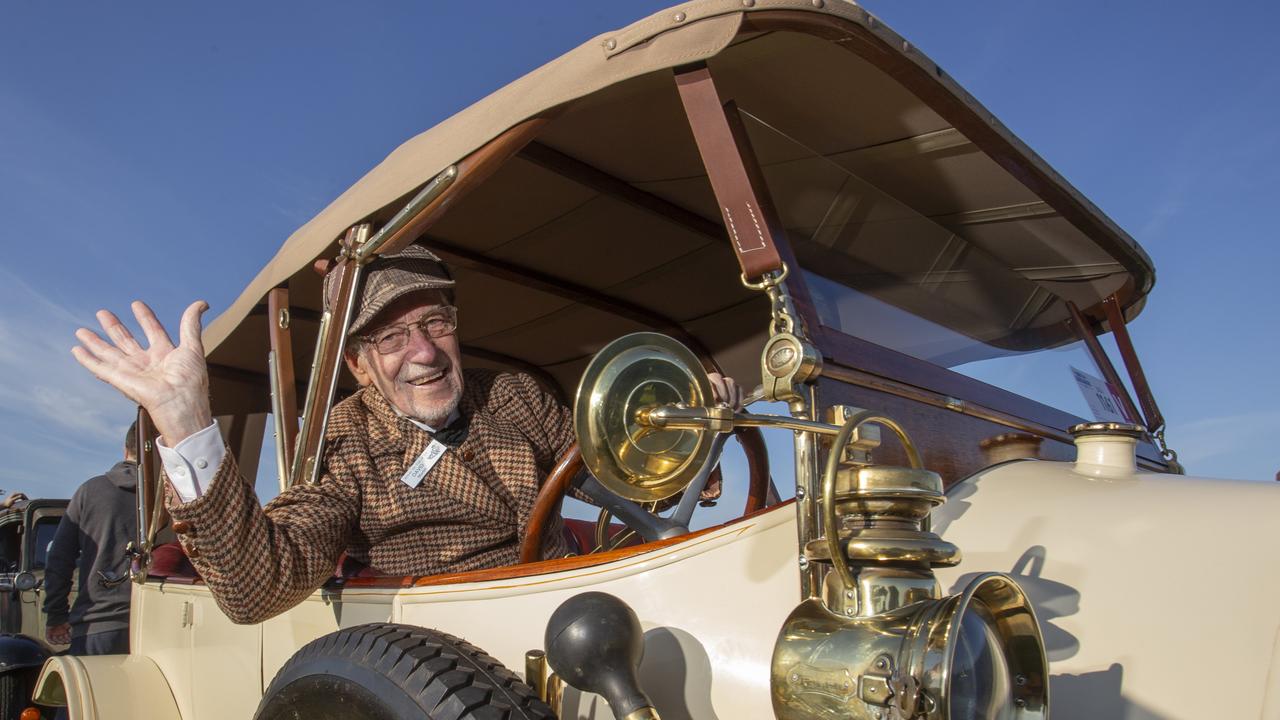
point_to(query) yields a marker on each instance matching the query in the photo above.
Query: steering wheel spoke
(639, 519)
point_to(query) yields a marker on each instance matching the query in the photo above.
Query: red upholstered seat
(580, 535)
(169, 562)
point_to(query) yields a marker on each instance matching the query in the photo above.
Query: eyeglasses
(435, 324)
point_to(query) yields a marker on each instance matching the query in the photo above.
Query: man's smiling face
(423, 380)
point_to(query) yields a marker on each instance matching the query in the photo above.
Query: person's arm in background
(60, 564)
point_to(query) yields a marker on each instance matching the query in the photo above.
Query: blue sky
(164, 150)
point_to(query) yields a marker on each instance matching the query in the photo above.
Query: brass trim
(701, 418)
(278, 421)
(874, 548)
(365, 249)
(303, 463)
(830, 522)
(150, 496)
(805, 445)
(644, 713)
(1012, 613)
(901, 662)
(555, 693)
(306, 462)
(767, 281)
(1132, 430)
(535, 672)
(621, 385)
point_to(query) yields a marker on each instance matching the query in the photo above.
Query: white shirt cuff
(192, 463)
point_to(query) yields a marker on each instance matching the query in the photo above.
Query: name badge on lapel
(420, 467)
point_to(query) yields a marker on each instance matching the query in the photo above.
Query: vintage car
(26, 529)
(788, 191)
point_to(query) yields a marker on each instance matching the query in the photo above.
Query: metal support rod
(1120, 331)
(284, 453)
(328, 359)
(150, 494)
(670, 417)
(1085, 332)
(807, 524)
(807, 431)
(284, 394)
(365, 250)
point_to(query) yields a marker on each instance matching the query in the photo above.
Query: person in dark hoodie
(97, 527)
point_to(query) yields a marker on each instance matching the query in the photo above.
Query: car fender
(18, 652)
(1148, 587)
(107, 687)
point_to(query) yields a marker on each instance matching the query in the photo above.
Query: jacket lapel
(487, 449)
(450, 476)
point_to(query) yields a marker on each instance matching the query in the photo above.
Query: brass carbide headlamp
(880, 641)
(875, 639)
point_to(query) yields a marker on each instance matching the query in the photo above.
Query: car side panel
(1146, 585)
(711, 609)
(320, 614)
(212, 664)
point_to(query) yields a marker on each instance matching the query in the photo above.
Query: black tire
(385, 671)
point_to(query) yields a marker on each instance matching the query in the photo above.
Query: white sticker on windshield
(1102, 398)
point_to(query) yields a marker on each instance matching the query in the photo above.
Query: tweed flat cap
(387, 278)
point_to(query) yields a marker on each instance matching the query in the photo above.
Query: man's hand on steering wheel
(725, 391)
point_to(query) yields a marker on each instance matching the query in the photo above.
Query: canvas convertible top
(828, 89)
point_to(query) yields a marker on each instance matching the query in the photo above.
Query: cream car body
(1143, 594)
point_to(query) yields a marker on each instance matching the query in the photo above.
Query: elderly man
(427, 468)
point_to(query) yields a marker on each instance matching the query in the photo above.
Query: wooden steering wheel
(557, 483)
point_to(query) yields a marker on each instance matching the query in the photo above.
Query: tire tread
(450, 678)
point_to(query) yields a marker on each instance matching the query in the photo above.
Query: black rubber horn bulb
(594, 643)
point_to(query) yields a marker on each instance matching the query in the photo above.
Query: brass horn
(629, 375)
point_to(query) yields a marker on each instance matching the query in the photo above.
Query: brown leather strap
(1119, 329)
(733, 171)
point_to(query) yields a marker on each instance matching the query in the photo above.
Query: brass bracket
(786, 363)
(888, 687)
(874, 689)
(545, 684)
(139, 560)
(789, 359)
(719, 419)
(862, 441)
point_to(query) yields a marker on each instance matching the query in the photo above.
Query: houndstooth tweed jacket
(469, 512)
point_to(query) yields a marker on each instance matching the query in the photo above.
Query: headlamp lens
(981, 688)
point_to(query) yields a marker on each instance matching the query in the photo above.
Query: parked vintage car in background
(26, 529)
(785, 191)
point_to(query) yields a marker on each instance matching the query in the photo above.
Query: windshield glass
(882, 271)
(41, 538)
